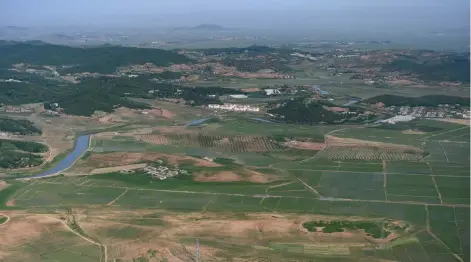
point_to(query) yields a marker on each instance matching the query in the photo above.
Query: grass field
(132, 215)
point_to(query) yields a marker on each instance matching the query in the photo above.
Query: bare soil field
(105, 170)
(3, 184)
(128, 158)
(454, 120)
(235, 176)
(413, 132)
(305, 145)
(21, 229)
(401, 82)
(163, 235)
(124, 115)
(250, 90)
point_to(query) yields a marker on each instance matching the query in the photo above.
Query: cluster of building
(444, 111)
(319, 90)
(238, 96)
(10, 80)
(272, 91)
(293, 89)
(235, 107)
(162, 172)
(308, 56)
(395, 119)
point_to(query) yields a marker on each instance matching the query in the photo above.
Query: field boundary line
(437, 238)
(26, 188)
(411, 196)
(309, 187)
(435, 183)
(311, 157)
(457, 229)
(385, 179)
(113, 201)
(449, 131)
(456, 137)
(79, 180)
(244, 195)
(444, 152)
(341, 171)
(275, 186)
(449, 250)
(423, 249)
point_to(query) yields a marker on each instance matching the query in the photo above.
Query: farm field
(248, 193)
(388, 190)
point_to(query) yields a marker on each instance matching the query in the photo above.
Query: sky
(253, 13)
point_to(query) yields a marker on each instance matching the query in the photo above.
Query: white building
(271, 91)
(238, 96)
(396, 119)
(235, 107)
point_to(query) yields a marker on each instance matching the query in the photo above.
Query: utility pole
(198, 251)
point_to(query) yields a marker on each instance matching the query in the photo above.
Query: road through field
(105, 250)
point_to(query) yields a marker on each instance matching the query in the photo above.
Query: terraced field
(345, 153)
(226, 143)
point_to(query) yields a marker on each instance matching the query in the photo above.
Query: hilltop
(207, 27)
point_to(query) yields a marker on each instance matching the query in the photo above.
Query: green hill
(102, 59)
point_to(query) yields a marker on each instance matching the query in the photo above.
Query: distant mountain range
(203, 27)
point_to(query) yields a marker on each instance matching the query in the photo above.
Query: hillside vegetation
(299, 111)
(447, 68)
(18, 154)
(102, 59)
(430, 100)
(18, 126)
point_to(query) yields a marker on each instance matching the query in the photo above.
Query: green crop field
(430, 193)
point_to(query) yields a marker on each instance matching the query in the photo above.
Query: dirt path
(116, 199)
(105, 251)
(309, 187)
(8, 219)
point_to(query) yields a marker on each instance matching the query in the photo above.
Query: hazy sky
(231, 12)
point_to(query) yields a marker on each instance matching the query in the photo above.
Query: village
(442, 111)
(159, 171)
(163, 172)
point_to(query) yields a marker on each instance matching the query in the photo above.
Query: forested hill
(430, 100)
(453, 67)
(102, 59)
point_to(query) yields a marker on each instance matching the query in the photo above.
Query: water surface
(81, 145)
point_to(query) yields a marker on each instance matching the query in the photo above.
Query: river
(81, 146)
(197, 121)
